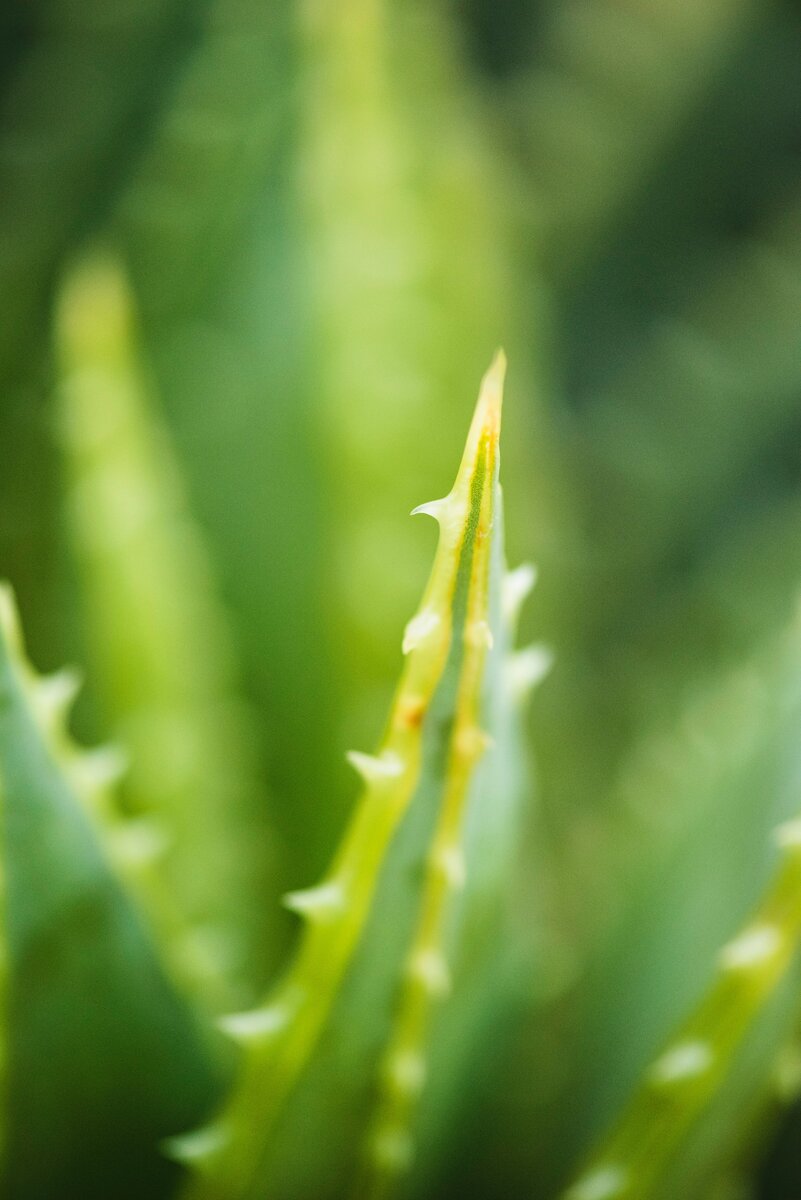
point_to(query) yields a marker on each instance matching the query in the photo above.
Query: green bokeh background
(330, 216)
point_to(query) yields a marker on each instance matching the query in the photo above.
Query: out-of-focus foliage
(401, 936)
(159, 640)
(99, 1052)
(329, 215)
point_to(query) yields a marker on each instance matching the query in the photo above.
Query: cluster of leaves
(254, 258)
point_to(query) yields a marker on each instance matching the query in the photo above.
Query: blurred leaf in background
(329, 216)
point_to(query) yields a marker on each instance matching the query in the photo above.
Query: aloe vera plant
(422, 857)
(255, 257)
(400, 938)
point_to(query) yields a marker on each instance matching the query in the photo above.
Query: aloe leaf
(218, 272)
(103, 1056)
(374, 959)
(747, 998)
(240, 462)
(410, 275)
(160, 641)
(436, 1055)
(69, 120)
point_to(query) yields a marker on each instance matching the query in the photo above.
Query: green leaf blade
(104, 1057)
(372, 962)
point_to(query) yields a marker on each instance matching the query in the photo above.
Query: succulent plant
(253, 260)
(404, 937)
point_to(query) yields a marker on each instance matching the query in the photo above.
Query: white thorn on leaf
(788, 835)
(605, 1183)
(420, 628)
(490, 397)
(686, 1060)
(258, 1025)
(516, 588)
(198, 1146)
(326, 900)
(100, 769)
(526, 668)
(428, 968)
(752, 948)
(376, 768)
(438, 509)
(55, 694)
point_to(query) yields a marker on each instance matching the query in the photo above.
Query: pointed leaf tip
(455, 611)
(490, 398)
(486, 424)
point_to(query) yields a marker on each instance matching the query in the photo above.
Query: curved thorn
(100, 769)
(376, 768)
(54, 695)
(256, 1026)
(438, 509)
(198, 1146)
(420, 628)
(527, 668)
(516, 588)
(326, 900)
